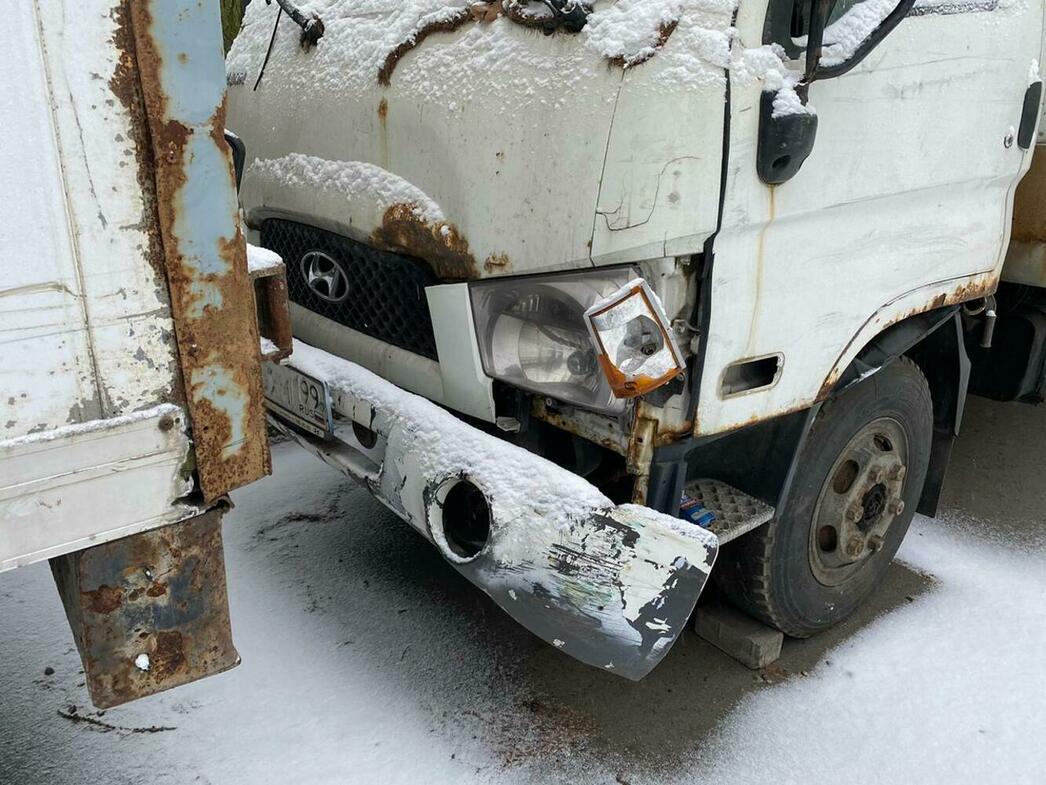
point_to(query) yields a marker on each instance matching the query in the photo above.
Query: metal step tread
(736, 512)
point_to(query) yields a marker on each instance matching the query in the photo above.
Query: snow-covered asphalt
(366, 659)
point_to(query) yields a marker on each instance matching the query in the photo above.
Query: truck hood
(456, 132)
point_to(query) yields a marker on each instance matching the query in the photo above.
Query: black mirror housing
(785, 142)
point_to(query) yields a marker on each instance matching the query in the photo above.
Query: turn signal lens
(634, 345)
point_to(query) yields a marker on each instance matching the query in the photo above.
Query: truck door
(903, 204)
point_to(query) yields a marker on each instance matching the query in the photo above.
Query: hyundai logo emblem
(325, 277)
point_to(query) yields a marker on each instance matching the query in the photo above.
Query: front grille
(386, 291)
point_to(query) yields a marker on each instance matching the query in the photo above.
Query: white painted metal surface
(75, 486)
(602, 165)
(84, 324)
(466, 388)
(904, 202)
(88, 365)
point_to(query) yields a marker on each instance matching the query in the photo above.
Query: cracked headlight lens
(532, 334)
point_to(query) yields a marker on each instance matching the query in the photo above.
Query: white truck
(597, 294)
(130, 387)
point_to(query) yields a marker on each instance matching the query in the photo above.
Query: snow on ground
(948, 689)
(367, 659)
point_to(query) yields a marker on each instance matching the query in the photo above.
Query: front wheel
(854, 494)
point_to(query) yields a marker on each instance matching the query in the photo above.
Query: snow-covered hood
(457, 131)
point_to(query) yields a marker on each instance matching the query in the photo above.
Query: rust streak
(663, 34)
(383, 130)
(486, 11)
(441, 245)
(968, 289)
(126, 87)
(103, 600)
(168, 657)
(497, 263)
(448, 25)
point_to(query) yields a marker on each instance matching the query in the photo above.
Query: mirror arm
(819, 11)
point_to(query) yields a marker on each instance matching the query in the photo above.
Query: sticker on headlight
(634, 345)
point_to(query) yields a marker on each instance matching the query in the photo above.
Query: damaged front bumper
(612, 586)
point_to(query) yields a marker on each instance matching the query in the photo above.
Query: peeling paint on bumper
(612, 586)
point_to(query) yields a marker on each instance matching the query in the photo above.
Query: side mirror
(786, 138)
(831, 59)
(785, 142)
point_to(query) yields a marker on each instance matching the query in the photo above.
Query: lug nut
(877, 475)
(855, 547)
(896, 507)
(898, 472)
(855, 513)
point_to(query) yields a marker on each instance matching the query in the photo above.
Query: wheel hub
(874, 504)
(861, 497)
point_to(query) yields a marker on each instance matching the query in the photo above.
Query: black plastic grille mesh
(386, 298)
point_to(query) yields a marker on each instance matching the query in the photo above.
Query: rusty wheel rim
(861, 498)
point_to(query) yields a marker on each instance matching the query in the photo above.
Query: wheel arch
(934, 341)
(761, 459)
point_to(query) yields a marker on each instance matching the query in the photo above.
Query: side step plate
(736, 512)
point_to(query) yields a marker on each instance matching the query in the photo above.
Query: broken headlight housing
(532, 334)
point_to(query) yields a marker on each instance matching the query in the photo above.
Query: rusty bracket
(178, 48)
(273, 306)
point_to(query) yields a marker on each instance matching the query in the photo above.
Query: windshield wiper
(311, 31)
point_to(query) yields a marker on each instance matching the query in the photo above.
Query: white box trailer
(130, 394)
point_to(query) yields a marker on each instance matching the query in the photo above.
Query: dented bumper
(612, 586)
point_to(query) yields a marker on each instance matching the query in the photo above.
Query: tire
(803, 572)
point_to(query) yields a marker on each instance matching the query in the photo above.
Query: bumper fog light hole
(460, 520)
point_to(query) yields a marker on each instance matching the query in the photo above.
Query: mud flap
(150, 611)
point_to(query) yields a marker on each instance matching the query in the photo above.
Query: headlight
(532, 334)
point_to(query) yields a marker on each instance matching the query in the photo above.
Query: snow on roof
(693, 40)
(624, 31)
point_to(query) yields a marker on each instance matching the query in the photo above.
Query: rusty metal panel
(178, 49)
(151, 611)
(274, 316)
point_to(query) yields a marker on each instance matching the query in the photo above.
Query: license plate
(299, 398)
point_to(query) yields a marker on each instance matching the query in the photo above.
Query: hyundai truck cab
(595, 294)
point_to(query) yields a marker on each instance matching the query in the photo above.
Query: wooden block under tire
(747, 640)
